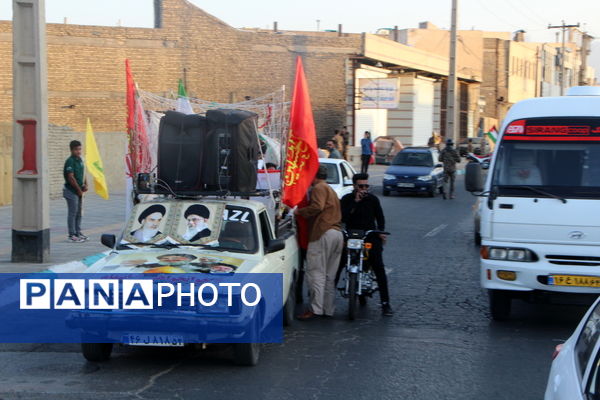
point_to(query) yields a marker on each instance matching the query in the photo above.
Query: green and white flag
(183, 102)
(492, 135)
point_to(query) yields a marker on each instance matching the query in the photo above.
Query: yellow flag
(93, 162)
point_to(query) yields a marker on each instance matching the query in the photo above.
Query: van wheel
(477, 238)
(96, 351)
(500, 304)
(386, 192)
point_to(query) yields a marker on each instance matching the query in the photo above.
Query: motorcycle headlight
(354, 244)
(388, 177)
(425, 178)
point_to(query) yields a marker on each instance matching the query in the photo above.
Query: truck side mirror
(473, 178)
(275, 245)
(108, 240)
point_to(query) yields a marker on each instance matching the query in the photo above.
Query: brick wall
(86, 74)
(86, 66)
(111, 146)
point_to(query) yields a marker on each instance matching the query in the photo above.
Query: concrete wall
(415, 118)
(5, 163)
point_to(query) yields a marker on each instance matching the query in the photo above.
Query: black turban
(197, 209)
(156, 208)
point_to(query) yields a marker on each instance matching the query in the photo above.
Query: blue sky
(355, 15)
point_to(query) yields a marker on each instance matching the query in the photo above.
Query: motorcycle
(358, 282)
(484, 160)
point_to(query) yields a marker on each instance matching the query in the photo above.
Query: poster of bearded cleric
(148, 225)
(198, 223)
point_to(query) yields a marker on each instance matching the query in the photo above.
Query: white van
(540, 205)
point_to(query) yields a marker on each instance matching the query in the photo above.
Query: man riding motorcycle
(362, 210)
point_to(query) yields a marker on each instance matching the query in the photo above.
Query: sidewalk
(99, 216)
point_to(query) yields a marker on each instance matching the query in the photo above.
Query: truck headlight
(425, 178)
(354, 244)
(388, 177)
(507, 254)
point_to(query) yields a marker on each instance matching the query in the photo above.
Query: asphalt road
(440, 344)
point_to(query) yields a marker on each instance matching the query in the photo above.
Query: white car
(575, 372)
(339, 175)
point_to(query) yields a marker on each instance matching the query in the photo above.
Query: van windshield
(558, 155)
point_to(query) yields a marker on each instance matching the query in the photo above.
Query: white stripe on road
(435, 230)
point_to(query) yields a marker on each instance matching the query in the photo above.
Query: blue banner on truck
(141, 309)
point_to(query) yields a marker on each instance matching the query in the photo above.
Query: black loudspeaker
(231, 151)
(181, 142)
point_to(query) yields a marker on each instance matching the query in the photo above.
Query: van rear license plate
(406, 185)
(144, 339)
(574, 280)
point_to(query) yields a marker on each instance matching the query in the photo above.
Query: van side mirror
(108, 240)
(275, 245)
(473, 177)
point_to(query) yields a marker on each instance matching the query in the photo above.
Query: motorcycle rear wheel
(352, 296)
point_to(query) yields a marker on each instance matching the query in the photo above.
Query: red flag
(302, 159)
(138, 158)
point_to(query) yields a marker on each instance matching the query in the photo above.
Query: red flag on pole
(302, 160)
(138, 158)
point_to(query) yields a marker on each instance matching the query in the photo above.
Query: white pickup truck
(540, 204)
(204, 236)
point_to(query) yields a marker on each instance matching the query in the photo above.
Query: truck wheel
(352, 296)
(289, 309)
(500, 302)
(386, 192)
(246, 354)
(96, 351)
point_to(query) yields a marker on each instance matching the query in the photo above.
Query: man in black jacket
(362, 210)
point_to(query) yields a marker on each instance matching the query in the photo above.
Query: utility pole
(585, 52)
(30, 213)
(563, 27)
(451, 126)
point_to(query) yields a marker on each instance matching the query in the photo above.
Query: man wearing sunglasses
(362, 210)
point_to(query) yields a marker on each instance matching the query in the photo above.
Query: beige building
(508, 68)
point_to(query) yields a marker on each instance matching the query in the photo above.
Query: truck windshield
(238, 230)
(557, 155)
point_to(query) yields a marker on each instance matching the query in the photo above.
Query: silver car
(575, 373)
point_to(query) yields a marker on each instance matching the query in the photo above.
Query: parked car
(575, 372)
(339, 175)
(386, 148)
(480, 146)
(415, 170)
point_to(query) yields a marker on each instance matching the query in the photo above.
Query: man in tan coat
(325, 244)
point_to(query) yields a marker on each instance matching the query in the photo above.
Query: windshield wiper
(536, 190)
(165, 245)
(206, 246)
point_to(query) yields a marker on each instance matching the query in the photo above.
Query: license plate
(145, 339)
(406, 185)
(574, 280)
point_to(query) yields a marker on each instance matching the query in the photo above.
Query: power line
(482, 4)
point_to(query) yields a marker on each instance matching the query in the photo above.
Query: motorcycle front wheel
(352, 295)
